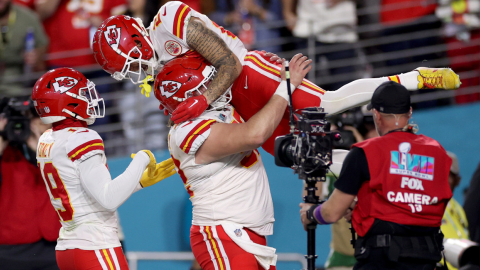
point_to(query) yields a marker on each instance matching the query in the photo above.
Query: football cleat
(437, 78)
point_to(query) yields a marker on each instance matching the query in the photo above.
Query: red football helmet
(181, 77)
(121, 41)
(65, 93)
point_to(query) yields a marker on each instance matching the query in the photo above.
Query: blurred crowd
(347, 39)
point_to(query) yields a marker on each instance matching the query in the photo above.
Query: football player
(216, 157)
(125, 49)
(73, 165)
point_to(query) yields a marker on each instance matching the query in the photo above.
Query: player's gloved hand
(191, 108)
(151, 167)
(163, 170)
(146, 88)
(165, 111)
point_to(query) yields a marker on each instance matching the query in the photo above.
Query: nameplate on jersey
(404, 163)
(44, 150)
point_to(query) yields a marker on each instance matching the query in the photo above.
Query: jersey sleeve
(83, 144)
(191, 135)
(174, 17)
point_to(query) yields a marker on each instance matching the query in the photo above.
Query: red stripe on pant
(221, 253)
(78, 259)
(252, 90)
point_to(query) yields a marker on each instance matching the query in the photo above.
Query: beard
(6, 10)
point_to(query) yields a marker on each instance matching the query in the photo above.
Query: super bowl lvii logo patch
(404, 163)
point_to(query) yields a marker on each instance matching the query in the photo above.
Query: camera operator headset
(401, 181)
(28, 225)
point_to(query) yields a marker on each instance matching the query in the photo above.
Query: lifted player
(125, 49)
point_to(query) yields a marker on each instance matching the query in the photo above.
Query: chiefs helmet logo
(112, 35)
(169, 88)
(63, 84)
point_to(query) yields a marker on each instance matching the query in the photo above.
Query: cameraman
(29, 226)
(401, 181)
(354, 125)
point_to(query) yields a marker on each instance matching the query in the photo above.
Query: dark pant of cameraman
(393, 246)
(35, 256)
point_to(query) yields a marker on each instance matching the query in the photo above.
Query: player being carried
(73, 164)
(125, 49)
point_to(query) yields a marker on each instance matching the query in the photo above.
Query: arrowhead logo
(169, 88)
(112, 35)
(63, 84)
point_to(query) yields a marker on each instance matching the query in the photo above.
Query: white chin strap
(89, 120)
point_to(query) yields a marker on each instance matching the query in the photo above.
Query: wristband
(282, 90)
(318, 215)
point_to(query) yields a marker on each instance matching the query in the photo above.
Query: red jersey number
(249, 160)
(58, 191)
(182, 175)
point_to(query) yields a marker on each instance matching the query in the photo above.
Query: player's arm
(228, 139)
(206, 42)
(354, 173)
(97, 181)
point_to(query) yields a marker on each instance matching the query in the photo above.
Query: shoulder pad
(190, 135)
(84, 143)
(174, 16)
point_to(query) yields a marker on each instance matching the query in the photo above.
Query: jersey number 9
(58, 191)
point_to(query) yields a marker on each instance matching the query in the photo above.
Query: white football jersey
(233, 189)
(168, 32)
(85, 223)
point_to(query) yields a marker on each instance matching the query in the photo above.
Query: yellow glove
(146, 88)
(152, 164)
(163, 170)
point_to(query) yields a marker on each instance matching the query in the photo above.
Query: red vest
(26, 214)
(408, 182)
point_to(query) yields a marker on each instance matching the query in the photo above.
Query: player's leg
(360, 92)
(260, 78)
(257, 84)
(213, 249)
(78, 259)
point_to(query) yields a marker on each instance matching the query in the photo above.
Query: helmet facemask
(136, 75)
(135, 56)
(95, 104)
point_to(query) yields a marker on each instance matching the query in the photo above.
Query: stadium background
(156, 219)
